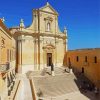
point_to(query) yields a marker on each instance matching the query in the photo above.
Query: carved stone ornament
(2, 43)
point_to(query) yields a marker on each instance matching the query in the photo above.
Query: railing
(4, 67)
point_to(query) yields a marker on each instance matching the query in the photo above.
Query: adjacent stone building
(42, 43)
(7, 61)
(86, 61)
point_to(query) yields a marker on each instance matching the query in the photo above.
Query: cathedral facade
(42, 43)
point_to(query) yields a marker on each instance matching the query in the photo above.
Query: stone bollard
(52, 73)
(70, 71)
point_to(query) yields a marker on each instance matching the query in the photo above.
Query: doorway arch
(49, 54)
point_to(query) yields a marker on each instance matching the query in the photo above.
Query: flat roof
(85, 49)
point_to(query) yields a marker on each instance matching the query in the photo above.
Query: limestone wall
(91, 68)
(7, 55)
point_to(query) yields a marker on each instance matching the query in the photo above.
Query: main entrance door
(49, 59)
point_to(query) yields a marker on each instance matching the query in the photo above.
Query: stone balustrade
(4, 67)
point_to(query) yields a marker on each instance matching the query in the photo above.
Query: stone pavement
(62, 86)
(69, 96)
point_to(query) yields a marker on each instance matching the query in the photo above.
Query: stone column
(56, 30)
(38, 53)
(66, 40)
(19, 56)
(0, 49)
(38, 40)
(35, 54)
(65, 45)
(44, 54)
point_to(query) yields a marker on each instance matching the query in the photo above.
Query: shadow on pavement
(85, 86)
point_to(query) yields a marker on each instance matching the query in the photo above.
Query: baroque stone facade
(42, 43)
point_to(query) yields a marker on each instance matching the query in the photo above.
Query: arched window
(48, 26)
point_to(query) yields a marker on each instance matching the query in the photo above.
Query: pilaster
(35, 54)
(0, 48)
(19, 55)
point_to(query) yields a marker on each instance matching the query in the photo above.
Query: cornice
(48, 12)
(18, 33)
(9, 36)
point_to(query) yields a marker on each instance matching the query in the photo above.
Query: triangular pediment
(49, 8)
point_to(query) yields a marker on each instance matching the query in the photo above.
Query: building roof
(48, 6)
(2, 25)
(85, 49)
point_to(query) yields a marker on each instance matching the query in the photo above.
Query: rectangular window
(77, 58)
(95, 59)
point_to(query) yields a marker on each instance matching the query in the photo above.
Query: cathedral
(42, 43)
(36, 65)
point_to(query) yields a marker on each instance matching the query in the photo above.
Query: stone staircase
(55, 86)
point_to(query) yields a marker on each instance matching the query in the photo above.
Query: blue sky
(81, 17)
